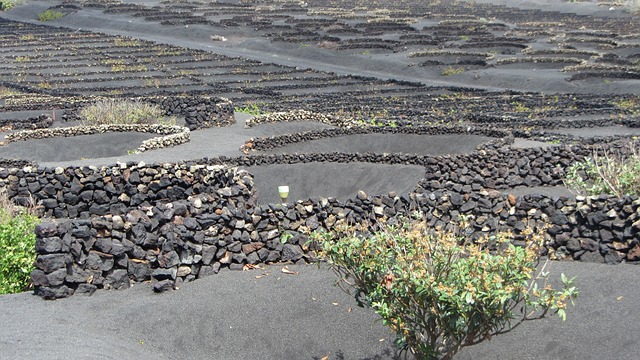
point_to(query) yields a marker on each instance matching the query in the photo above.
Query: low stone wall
(173, 135)
(37, 122)
(170, 223)
(294, 115)
(176, 241)
(176, 222)
(515, 122)
(198, 111)
(282, 140)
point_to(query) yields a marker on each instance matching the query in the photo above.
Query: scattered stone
(162, 286)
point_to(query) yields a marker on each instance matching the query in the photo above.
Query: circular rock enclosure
(169, 223)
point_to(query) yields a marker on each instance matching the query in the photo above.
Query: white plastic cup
(284, 192)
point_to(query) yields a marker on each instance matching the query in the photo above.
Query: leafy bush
(439, 292)
(17, 246)
(123, 112)
(49, 15)
(614, 172)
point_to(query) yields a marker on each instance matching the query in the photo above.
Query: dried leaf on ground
(247, 267)
(289, 272)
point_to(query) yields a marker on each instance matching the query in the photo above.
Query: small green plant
(438, 291)
(451, 70)
(49, 15)
(9, 4)
(631, 104)
(17, 246)
(119, 68)
(44, 85)
(250, 109)
(123, 112)
(614, 172)
(285, 237)
(520, 107)
(123, 42)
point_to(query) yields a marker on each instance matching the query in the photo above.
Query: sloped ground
(236, 315)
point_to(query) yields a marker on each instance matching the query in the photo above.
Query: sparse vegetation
(49, 15)
(17, 245)
(9, 4)
(452, 70)
(631, 104)
(438, 291)
(250, 109)
(123, 112)
(614, 172)
(123, 42)
(5, 91)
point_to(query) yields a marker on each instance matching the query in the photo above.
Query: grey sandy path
(212, 142)
(235, 315)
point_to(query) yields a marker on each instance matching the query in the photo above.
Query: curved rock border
(294, 115)
(173, 135)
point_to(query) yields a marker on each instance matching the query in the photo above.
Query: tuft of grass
(17, 245)
(123, 112)
(613, 172)
(49, 15)
(451, 70)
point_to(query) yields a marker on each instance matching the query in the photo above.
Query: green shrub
(450, 70)
(17, 246)
(613, 172)
(438, 292)
(123, 112)
(249, 109)
(9, 4)
(49, 15)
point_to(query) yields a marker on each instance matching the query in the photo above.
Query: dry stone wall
(198, 111)
(171, 134)
(170, 223)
